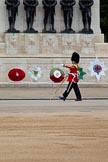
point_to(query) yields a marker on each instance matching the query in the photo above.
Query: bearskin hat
(75, 57)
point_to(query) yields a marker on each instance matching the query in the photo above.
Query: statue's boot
(70, 30)
(53, 30)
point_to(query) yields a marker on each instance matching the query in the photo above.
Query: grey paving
(52, 106)
(45, 100)
(48, 93)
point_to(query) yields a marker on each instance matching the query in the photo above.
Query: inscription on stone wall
(31, 44)
(52, 44)
(12, 43)
(88, 45)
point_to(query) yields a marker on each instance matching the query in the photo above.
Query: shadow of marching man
(85, 7)
(30, 8)
(12, 7)
(49, 12)
(67, 7)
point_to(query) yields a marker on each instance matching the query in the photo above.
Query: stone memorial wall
(47, 50)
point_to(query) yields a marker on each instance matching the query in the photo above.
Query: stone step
(52, 44)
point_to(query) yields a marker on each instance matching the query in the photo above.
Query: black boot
(62, 98)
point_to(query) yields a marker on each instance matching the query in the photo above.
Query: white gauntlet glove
(62, 65)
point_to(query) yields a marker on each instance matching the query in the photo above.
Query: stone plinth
(46, 64)
(52, 45)
(50, 50)
(102, 49)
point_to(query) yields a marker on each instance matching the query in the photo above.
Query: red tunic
(72, 75)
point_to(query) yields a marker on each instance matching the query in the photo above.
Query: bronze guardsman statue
(67, 7)
(85, 7)
(30, 8)
(49, 12)
(12, 7)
